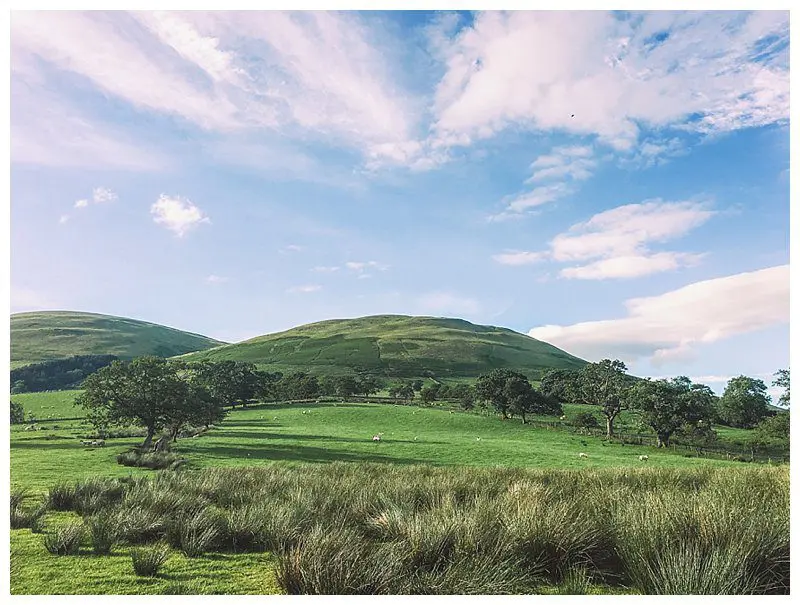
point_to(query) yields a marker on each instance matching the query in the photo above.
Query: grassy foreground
(383, 529)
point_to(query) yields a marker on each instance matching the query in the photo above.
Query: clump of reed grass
(64, 539)
(148, 560)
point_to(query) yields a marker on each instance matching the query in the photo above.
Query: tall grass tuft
(148, 560)
(61, 497)
(200, 533)
(103, 528)
(64, 539)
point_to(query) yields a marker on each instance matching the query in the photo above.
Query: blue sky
(616, 184)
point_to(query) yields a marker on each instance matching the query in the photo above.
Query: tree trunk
(151, 430)
(523, 417)
(609, 427)
(663, 440)
(174, 433)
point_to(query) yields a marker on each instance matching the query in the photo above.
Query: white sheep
(562, 418)
(477, 439)
(582, 455)
(376, 437)
(644, 457)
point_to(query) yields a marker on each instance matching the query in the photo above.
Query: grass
(397, 345)
(44, 335)
(49, 405)
(341, 432)
(373, 529)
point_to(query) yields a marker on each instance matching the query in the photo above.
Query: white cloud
(324, 269)
(177, 214)
(307, 289)
(216, 279)
(361, 266)
(564, 162)
(448, 303)
(81, 203)
(63, 219)
(101, 195)
(617, 242)
(625, 267)
(291, 248)
(602, 74)
(668, 327)
(517, 258)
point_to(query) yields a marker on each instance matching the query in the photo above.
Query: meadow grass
(48, 405)
(301, 433)
(377, 529)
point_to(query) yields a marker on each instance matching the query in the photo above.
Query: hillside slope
(41, 336)
(397, 345)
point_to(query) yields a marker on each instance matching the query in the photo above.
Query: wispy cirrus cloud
(616, 243)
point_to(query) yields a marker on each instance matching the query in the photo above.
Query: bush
(64, 539)
(584, 420)
(148, 560)
(17, 412)
(200, 533)
(151, 460)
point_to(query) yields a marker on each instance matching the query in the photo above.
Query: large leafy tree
(667, 406)
(491, 388)
(605, 384)
(744, 403)
(17, 412)
(464, 394)
(782, 381)
(146, 391)
(561, 385)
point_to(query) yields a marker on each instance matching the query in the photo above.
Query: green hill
(41, 336)
(397, 345)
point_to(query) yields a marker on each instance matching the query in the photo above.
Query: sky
(613, 183)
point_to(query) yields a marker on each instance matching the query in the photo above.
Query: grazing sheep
(86, 442)
(451, 412)
(415, 438)
(562, 418)
(643, 457)
(376, 437)
(477, 439)
(582, 455)
(101, 442)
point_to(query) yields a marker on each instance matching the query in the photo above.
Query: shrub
(17, 411)
(104, 532)
(18, 496)
(148, 560)
(64, 539)
(151, 460)
(584, 420)
(139, 525)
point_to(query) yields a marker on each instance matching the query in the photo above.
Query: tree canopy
(744, 403)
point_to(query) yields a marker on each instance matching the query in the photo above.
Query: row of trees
(666, 406)
(57, 374)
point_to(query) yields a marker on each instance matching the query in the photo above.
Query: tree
(773, 430)
(464, 394)
(146, 390)
(562, 385)
(491, 387)
(417, 385)
(368, 385)
(267, 385)
(744, 403)
(585, 420)
(17, 412)
(429, 393)
(782, 381)
(403, 391)
(667, 406)
(604, 383)
(19, 386)
(346, 386)
(201, 404)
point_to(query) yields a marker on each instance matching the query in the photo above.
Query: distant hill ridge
(47, 335)
(397, 345)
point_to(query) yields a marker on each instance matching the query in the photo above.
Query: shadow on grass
(262, 435)
(302, 453)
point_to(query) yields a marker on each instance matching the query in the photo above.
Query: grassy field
(397, 345)
(46, 335)
(50, 404)
(302, 433)
(391, 529)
